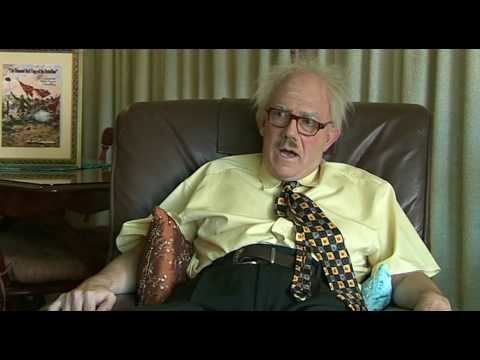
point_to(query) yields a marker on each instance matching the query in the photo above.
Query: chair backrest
(107, 142)
(159, 144)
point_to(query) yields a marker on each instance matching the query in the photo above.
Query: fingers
(71, 301)
(57, 304)
(84, 300)
(62, 303)
(89, 303)
(108, 303)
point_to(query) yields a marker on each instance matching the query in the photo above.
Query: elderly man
(331, 224)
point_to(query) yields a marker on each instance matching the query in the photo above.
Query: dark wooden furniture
(42, 199)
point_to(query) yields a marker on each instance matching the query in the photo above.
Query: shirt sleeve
(134, 231)
(399, 245)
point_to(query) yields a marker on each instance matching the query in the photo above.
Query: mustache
(288, 143)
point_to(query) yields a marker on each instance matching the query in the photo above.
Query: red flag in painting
(27, 88)
(41, 92)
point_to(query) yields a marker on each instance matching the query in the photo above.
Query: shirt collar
(270, 182)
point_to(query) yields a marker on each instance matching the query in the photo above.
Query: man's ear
(332, 136)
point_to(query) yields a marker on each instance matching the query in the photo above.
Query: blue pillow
(377, 289)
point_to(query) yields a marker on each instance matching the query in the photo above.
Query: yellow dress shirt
(229, 203)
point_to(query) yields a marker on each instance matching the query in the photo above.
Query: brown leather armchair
(159, 144)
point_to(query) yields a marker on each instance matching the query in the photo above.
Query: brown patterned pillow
(165, 259)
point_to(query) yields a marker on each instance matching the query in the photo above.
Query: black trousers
(228, 286)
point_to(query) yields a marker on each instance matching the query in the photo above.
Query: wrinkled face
(289, 155)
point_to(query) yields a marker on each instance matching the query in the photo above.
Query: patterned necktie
(319, 239)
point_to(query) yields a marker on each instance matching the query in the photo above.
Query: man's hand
(418, 292)
(85, 298)
(432, 301)
(98, 292)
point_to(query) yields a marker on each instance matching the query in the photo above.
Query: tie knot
(290, 185)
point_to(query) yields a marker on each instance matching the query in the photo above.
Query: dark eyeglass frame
(291, 116)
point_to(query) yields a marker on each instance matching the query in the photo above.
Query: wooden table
(41, 198)
(40, 193)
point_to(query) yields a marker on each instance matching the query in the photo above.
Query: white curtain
(114, 79)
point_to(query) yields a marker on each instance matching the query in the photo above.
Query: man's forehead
(299, 83)
(282, 106)
(302, 78)
(306, 89)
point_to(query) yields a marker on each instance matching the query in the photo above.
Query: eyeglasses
(305, 125)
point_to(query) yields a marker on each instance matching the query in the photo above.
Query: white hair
(331, 75)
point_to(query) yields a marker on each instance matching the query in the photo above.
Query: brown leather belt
(261, 254)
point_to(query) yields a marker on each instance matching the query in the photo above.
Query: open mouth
(288, 154)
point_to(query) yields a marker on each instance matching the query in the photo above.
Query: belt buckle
(236, 258)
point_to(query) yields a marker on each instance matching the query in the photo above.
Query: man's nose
(291, 129)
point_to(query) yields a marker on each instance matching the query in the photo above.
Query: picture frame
(40, 108)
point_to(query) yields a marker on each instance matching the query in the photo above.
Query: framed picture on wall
(40, 107)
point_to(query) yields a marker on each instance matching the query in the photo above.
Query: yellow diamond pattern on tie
(318, 239)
